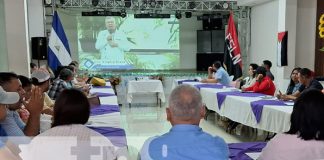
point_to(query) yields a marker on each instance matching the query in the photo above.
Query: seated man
(267, 65)
(186, 140)
(307, 82)
(41, 78)
(221, 76)
(263, 83)
(6, 150)
(62, 82)
(12, 124)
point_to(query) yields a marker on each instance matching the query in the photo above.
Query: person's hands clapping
(36, 102)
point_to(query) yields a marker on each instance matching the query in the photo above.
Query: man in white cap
(12, 124)
(41, 78)
(6, 98)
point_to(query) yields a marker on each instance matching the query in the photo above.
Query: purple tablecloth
(187, 80)
(101, 86)
(104, 109)
(257, 107)
(100, 94)
(222, 95)
(117, 136)
(238, 150)
(208, 85)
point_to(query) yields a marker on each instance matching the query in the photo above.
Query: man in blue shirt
(186, 140)
(217, 74)
(5, 99)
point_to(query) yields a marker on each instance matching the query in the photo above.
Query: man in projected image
(112, 44)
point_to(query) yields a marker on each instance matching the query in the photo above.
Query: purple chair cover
(237, 150)
(222, 95)
(257, 107)
(101, 87)
(104, 109)
(117, 136)
(100, 94)
(208, 85)
(187, 80)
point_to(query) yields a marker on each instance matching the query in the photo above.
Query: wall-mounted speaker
(39, 48)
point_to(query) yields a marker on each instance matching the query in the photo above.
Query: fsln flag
(232, 55)
(58, 45)
(282, 49)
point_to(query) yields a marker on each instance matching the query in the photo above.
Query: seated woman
(71, 113)
(305, 139)
(250, 80)
(294, 84)
(307, 82)
(263, 83)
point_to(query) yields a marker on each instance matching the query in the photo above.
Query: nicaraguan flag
(58, 46)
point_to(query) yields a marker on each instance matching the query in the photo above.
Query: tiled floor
(142, 121)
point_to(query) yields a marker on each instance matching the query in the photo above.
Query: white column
(17, 36)
(287, 20)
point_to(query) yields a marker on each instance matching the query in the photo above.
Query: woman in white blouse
(250, 80)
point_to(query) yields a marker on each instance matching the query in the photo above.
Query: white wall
(17, 36)
(264, 28)
(306, 25)
(188, 41)
(3, 42)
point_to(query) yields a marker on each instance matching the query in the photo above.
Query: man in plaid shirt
(61, 83)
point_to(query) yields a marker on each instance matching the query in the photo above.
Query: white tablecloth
(274, 118)
(145, 86)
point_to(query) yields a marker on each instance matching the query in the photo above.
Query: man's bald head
(185, 104)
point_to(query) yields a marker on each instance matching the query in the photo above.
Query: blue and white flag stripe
(58, 45)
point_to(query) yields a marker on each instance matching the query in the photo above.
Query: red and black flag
(232, 55)
(282, 49)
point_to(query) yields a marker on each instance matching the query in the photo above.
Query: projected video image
(128, 43)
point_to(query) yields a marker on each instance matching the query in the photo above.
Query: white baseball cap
(41, 75)
(8, 97)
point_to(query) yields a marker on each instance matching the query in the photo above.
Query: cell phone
(280, 92)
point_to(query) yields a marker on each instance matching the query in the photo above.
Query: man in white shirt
(112, 44)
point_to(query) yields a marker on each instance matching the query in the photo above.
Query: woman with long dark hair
(250, 80)
(71, 113)
(294, 83)
(305, 139)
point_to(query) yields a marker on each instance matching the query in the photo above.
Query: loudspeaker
(218, 41)
(205, 60)
(211, 23)
(204, 41)
(39, 48)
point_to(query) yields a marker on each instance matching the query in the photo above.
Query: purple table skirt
(238, 150)
(187, 80)
(100, 94)
(101, 87)
(257, 107)
(104, 109)
(208, 85)
(221, 96)
(117, 136)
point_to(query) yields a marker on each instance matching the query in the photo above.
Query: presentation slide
(115, 43)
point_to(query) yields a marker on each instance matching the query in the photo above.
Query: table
(238, 150)
(273, 118)
(105, 118)
(145, 86)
